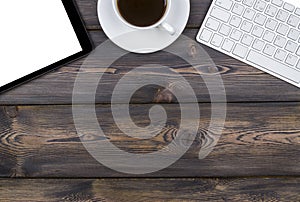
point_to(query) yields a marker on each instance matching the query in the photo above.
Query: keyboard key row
(242, 50)
(264, 61)
(257, 31)
(259, 19)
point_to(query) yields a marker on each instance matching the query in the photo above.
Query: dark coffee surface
(142, 13)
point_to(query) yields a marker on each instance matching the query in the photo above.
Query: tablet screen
(34, 34)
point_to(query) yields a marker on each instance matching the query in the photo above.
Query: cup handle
(168, 28)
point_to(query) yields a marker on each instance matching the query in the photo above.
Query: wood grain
(118, 190)
(260, 139)
(242, 82)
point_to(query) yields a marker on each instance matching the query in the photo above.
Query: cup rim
(162, 19)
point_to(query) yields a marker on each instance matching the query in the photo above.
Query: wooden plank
(242, 82)
(88, 10)
(193, 189)
(259, 139)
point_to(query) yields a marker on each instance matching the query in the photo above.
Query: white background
(33, 35)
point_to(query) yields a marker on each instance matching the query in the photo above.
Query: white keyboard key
(282, 29)
(274, 66)
(271, 24)
(293, 20)
(236, 35)
(220, 14)
(257, 31)
(294, 34)
(280, 41)
(235, 21)
(260, 5)
(298, 51)
(260, 19)
(258, 44)
(268, 36)
(277, 2)
(280, 54)
(212, 24)
(291, 60)
(297, 12)
(216, 40)
(298, 65)
(238, 9)
(225, 29)
(205, 35)
(291, 46)
(269, 49)
(228, 45)
(271, 10)
(248, 2)
(249, 14)
(246, 26)
(247, 40)
(240, 51)
(289, 7)
(226, 4)
(282, 15)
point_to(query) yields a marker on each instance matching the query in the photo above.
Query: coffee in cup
(144, 14)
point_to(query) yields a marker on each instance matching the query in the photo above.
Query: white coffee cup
(161, 24)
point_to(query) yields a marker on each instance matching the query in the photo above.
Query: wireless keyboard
(261, 33)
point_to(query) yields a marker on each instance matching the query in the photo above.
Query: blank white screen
(33, 35)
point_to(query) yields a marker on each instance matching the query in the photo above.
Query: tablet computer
(38, 36)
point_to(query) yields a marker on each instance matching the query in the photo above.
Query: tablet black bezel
(82, 36)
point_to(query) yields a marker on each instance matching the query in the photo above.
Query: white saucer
(142, 41)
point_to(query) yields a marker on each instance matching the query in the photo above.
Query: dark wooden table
(256, 159)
